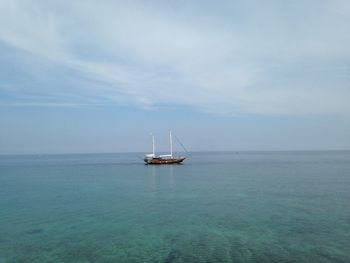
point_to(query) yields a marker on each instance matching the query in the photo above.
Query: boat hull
(178, 160)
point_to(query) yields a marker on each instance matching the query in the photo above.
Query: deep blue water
(216, 207)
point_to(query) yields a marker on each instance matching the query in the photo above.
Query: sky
(100, 76)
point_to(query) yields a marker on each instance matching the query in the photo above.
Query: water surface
(217, 207)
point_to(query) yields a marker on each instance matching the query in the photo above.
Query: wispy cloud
(266, 58)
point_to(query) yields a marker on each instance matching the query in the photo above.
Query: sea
(216, 207)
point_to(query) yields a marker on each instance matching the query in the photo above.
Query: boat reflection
(160, 177)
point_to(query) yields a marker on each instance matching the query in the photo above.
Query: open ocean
(216, 207)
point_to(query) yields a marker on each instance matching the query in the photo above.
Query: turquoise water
(217, 207)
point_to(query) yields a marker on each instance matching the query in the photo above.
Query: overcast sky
(99, 76)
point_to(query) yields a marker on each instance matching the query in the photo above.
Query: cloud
(231, 58)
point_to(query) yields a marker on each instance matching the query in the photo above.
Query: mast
(153, 150)
(171, 144)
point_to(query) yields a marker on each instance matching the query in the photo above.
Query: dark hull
(164, 161)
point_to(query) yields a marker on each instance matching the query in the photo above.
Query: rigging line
(177, 139)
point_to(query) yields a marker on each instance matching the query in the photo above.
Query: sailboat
(152, 158)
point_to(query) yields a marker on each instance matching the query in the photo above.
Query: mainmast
(171, 144)
(153, 150)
